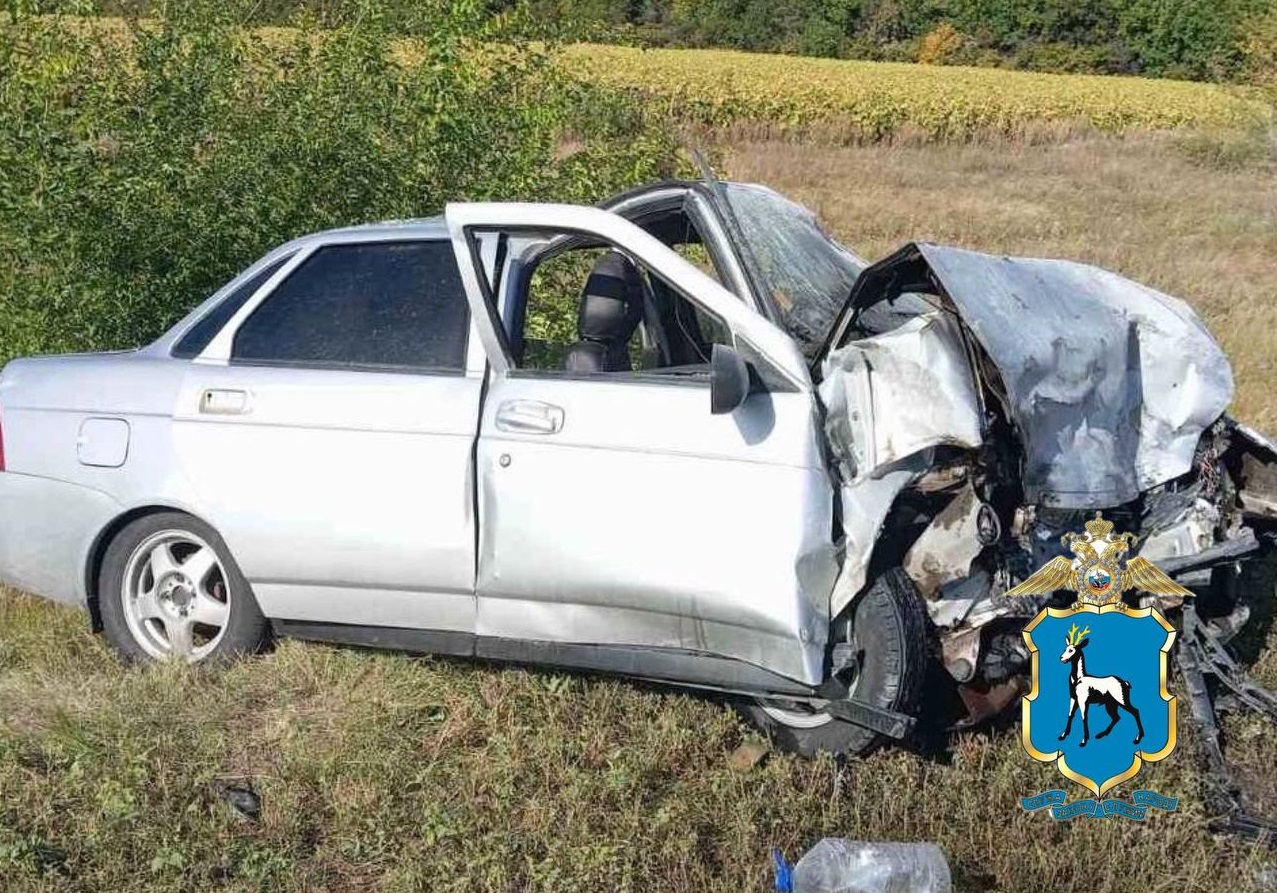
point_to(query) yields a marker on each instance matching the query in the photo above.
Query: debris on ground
(838, 865)
(244, 802)
(1203, 658)
(748, 755)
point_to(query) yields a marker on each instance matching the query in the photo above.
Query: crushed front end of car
(980, 407)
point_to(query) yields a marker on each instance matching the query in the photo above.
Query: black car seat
(610, 310)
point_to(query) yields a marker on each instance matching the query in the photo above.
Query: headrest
(612, 300)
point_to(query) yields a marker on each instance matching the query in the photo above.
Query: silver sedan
(685, 437)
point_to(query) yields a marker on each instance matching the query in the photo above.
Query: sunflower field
(876, 100)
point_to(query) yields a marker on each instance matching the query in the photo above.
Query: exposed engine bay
(979, 408)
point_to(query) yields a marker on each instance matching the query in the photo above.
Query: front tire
(169, 587)
(888, 635)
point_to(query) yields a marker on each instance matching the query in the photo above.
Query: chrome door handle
(216, 401)
(529, 417)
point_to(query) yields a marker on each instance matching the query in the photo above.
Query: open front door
(614, 508)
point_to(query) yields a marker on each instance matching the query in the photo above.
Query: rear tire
(169, 587)
(888, 631)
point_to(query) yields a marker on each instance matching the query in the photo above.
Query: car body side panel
(895, 394)
(644, 519)
(47, 530)
(648, 521)
(56, 505)
(344, 496)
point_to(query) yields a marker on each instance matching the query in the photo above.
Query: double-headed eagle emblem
(1096, 573)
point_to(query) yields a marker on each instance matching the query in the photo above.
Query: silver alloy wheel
(175, 595)
(808, 716)
(796, 719)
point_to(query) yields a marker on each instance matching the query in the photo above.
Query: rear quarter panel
(53, 506)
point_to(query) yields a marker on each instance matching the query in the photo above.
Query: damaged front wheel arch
(889, 635)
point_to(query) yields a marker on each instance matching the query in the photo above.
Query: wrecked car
(684, 436)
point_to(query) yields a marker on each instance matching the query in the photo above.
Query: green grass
(387, 772)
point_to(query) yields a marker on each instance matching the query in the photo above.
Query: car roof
(436, 227)
(429, 227)
(657, 186)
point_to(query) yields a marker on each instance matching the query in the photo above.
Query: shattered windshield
(805, 273)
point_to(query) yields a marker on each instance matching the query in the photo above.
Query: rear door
(614, 509)
(328, 430)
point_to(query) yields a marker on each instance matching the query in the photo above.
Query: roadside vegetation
(146, 162)
(1220, 41)
(1227, 40)
(137, 176)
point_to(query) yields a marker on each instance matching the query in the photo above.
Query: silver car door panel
(337, 483)
(647, 521)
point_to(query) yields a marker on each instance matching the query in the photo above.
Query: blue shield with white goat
(1098, 705)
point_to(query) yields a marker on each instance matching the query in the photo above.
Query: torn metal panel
(888, 400)
(945, 550)
(1256, 459)
(956, 600)
(865, 504)
(1110, 383)
(892, 395)
(1189, 534)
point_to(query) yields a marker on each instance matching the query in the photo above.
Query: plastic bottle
(836, 865)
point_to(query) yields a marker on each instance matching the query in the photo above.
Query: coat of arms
(1098, 705)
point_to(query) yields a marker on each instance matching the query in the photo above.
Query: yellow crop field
(876, 99)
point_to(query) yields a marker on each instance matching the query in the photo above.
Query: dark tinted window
(198, 336)
(376, 305)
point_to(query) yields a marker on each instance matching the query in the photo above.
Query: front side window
(594, 310)
(373, 305)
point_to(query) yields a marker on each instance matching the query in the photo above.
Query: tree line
(1216, 40)
(1209, 40)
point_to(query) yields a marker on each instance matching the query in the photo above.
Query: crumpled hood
(1109, 382)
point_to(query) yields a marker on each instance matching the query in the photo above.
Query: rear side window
(198, 336)
(382, 305)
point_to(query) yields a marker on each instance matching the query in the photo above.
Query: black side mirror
(728, 380)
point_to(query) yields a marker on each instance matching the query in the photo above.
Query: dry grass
(381, 772)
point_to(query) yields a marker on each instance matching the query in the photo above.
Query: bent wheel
(169, 588)
(888, 642)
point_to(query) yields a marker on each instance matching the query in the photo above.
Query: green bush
(143, 163)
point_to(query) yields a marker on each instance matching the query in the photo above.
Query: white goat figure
(1111, 691)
